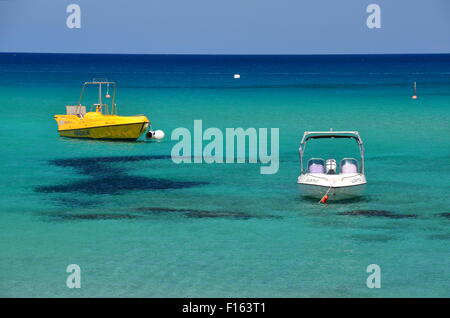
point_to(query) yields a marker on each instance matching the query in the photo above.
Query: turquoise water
(140, 225)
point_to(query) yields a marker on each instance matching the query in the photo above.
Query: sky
(225, 27)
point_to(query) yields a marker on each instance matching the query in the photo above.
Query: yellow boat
(102, 121)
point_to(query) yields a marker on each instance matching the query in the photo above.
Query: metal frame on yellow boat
(103, 123)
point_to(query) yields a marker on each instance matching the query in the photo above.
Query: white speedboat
(324, 179)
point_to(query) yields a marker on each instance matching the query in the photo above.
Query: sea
(138, 224)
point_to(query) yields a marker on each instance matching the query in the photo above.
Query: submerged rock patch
(107, 178)
(95, 216)
(117, 184)
(371, 237)
(377, 213)
(194, 213)
(445, 236)
(101, 165)
(142, 213)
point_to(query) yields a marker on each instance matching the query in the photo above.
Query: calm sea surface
(140, 225)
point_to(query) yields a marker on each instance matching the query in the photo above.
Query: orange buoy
(414, 97)
(324, 199)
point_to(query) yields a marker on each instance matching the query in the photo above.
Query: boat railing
(100, 82)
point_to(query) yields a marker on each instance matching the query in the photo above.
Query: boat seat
(349, 165)
(316, 166)
(76, 110)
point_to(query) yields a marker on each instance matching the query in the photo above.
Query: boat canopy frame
(308, 135)
(100, 82)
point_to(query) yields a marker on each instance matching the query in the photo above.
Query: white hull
(344, 193)
(339, 187)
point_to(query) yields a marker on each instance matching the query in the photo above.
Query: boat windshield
(334, 144)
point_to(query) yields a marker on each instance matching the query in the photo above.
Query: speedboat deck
(322, 178)
(337, 187)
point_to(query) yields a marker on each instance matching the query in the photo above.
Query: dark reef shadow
(194, 213)
(377, 213)
(368, 238)
(445, 236)
(147, 212)
(105, 177)
(101, 165)
(116, 185)
(93, 216)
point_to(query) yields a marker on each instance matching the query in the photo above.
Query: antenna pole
(415, 91)
(114, 100)
(100, 95)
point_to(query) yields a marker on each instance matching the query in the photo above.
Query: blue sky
(225, 27)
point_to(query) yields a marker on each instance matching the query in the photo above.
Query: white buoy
(237, 75)
(155, 134)
(158, 134)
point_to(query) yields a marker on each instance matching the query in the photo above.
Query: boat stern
(337, 186)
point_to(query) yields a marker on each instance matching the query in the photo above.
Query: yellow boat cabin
(102, 121)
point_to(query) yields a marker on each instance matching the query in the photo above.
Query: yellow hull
(99, 126)
(127, 131)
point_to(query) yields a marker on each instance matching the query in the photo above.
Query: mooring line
(325, 196)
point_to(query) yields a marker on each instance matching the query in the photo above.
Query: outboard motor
(330, 166)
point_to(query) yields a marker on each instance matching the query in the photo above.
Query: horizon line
(231, 54)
